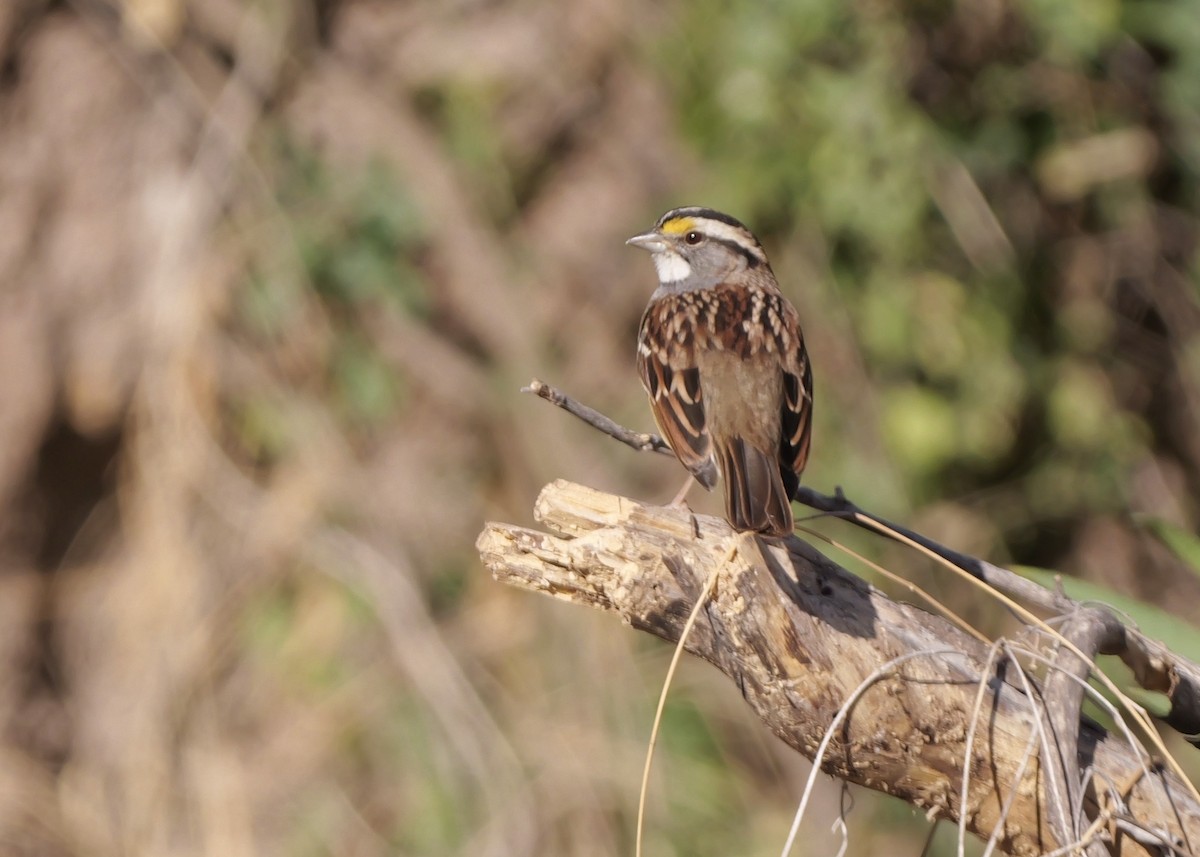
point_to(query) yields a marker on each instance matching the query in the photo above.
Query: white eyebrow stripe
(724, 232)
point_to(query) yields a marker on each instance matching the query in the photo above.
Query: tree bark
(800, 635)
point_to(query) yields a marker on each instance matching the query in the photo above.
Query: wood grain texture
(798, 634)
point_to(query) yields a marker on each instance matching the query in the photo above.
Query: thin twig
(964, 800)
(635, 440)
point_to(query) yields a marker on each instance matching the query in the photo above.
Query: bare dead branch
(1155, 667)
(798, 634)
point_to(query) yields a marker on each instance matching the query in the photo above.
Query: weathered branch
(1155, 667)
(798, 634)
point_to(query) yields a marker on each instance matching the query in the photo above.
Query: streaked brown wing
(676, 400)
(796, 413)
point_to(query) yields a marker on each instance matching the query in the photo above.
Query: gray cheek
(715, 267)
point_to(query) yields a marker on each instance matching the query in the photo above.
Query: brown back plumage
(732, 347)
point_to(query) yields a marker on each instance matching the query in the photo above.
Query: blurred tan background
(272, 274)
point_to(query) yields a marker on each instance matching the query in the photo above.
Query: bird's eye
(693, 238)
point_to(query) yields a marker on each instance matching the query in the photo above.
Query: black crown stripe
(699, 211)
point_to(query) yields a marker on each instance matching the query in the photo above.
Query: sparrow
(722, 357)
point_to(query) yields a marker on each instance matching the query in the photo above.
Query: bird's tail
(755, 497)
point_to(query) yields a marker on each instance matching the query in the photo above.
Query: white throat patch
(671, 267)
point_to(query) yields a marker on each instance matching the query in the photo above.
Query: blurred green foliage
(357, 239)
(360, 243)
(1185, 545)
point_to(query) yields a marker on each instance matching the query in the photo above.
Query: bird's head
(697, 247)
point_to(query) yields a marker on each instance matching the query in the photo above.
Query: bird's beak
(652, 241)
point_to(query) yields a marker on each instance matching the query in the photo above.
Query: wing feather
(796, 418)
(677, 402)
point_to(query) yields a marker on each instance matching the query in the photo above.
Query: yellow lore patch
(678, 226)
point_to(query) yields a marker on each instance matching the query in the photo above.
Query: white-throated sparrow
(722, 357)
